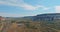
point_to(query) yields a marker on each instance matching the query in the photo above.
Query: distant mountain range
(47, 17)
(41, 17)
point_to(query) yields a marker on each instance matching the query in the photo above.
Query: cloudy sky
(20, 8)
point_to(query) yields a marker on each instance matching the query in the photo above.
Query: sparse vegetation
(28, 25)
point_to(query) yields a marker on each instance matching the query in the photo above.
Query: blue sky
(20, 8)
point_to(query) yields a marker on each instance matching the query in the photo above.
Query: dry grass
(14, 28)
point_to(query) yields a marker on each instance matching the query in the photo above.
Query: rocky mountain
(41, 17)
(47, 17)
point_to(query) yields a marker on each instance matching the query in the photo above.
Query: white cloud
(29, 7)
(3, 14)
(57, 8)
(43, 7)
(10, 15)
(21, 3)
(46, 8)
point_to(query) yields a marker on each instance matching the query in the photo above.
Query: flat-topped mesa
(47, 17)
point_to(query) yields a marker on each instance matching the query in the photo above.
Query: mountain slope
(47, 17)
